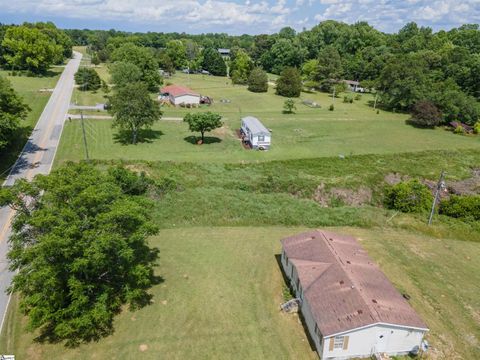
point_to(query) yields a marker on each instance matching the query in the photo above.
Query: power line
(440, 187)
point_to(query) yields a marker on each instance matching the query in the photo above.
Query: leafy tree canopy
(258, 81)
(289, 83)
(203, 122)
(124, 73)
(241, 67)
(133, 109)
(213, 62)
(79, 244)
(87, 79)
(12, 110)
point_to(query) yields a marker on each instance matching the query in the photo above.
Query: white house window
(338, 342)
(261, 138)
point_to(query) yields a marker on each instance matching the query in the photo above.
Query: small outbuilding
(180, 95)
(351, 309)
(354, 86)
(255, 133)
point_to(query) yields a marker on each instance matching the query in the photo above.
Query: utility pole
(333, 95)
(84, 137)
(440, 187)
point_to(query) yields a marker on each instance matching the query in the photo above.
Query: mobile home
(255, 133)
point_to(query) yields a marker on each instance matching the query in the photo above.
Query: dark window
(261, 138)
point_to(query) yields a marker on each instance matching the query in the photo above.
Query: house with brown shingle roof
(350, 307)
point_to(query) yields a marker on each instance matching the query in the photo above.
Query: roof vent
(342, 282)
(353, 287)
(348, 262)
(360, 312)
(374, 301)
(330, 239)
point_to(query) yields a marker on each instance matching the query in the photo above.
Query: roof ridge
(357, 286)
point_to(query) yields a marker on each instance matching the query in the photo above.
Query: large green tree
(29, 48)
(79, 249)
(133, 109)
(258, 81)
(124, 73)
(329, 67)
(87, 79)
(289, 83)
(177, 52)
(213, 62)
(12, 110)
(203, 122)
(241, 67)
(144, 59)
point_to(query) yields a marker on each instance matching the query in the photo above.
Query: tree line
(415, 64)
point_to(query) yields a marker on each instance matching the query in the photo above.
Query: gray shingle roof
(255, 126)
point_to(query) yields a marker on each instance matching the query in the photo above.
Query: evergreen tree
(289, 83)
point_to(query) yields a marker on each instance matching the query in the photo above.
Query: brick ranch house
(350, 307)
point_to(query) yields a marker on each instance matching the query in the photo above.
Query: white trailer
(255, 133)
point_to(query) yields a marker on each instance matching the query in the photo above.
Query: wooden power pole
(84, 137)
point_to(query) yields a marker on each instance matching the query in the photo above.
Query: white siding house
(350, 308)
(179, 95)
(255, 133)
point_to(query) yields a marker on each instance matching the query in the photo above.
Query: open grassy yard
(350, 129)
(222, 288)
(28, 87)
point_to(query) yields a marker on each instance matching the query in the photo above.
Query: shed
(224, 53)
(255, 133)
(180, 95)
(354, 86)
(351, 309)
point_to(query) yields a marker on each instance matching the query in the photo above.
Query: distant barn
(255, 133)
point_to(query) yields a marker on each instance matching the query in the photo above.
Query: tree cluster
(87, 79)
(34, 47)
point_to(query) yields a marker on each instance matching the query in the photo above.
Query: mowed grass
(222, 287)
(349, 130)
(28, 88)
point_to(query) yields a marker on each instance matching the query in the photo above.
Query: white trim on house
(377, 324)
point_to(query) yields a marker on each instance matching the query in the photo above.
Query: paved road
(36, 158)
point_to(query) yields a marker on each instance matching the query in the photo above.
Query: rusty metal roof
(344, 288)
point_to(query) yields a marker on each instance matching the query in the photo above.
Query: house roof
(224, 51)
(177, 90)
(344, 288)
(255, 126)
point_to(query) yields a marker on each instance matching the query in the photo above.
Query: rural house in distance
(350, 307)
(180, 95)
(255, 133)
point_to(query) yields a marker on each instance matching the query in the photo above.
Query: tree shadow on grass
(207, 140)
(124, 137)
(278, 257)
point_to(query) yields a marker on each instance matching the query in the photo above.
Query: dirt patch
(143, 347)
(395, 178)
(222, 132)
(470, 186)
(342, 196)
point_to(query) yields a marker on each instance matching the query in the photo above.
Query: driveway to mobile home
(36, 158)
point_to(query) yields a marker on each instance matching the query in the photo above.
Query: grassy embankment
(28, 87)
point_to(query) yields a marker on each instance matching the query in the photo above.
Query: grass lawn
(28, 88)
(222, 288)
(350, 129)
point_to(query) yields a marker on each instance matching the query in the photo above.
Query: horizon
(238, 18)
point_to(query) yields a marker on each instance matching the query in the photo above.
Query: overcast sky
(235, 16)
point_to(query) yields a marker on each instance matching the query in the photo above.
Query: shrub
(289, 106)
(476, 127)
(358, 97)
(258, 81)
(331, 107)
(410, 197)
(425, 114)
(87, 79)
(463, 207)
(459, 130)
(289, 83)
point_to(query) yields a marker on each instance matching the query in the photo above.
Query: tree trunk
(203, 136)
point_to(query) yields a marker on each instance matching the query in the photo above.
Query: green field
(222, 288)
(28, 88)
(349, 130)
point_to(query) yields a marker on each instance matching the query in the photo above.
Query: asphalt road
(36, 158)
